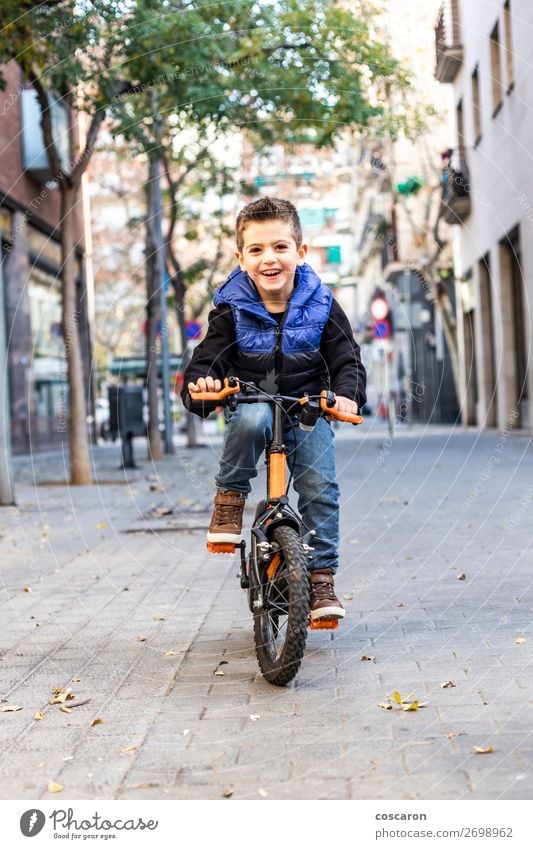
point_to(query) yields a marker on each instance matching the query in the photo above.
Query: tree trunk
(179, 291)
(80, 465)
(154, 435)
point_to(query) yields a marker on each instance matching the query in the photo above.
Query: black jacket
(343, 369)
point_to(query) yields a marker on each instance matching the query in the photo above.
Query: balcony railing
(449, 50)
(456, 202)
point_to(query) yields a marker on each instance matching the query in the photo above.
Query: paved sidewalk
(144, 618)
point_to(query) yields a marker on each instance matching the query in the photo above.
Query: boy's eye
(281, 247)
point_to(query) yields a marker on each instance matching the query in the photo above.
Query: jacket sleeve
(342, 356)
(212, 357)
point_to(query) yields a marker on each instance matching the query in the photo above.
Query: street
(133, 615)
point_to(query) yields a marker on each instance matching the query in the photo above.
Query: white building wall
(501, 180)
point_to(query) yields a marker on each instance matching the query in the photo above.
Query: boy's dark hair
(268, 209)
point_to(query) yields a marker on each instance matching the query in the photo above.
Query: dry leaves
(186, 731)
(520, 640)
(158, 618)
(402, 703)
(62, 695)
(400, 604)
(131, 748)
(39, 715)
(54, 788)
(141, 639)
(170, 653)
(262, 792)
(370, 657)
(65, 709)
(446, 684)
(227, 793)
(101, 526)
(255, 716)
(27, 589)
(347, 596)
(461, 576)
(96, 721)
(483, 750)
(76, 680)
(10, 708)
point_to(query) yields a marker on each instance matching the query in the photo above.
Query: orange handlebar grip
(216, 396)
(341, 417)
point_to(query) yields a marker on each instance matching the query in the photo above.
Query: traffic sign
(382, 329)
(193, 330)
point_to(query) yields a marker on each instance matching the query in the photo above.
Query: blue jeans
(311, 458)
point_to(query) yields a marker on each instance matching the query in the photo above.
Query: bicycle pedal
(221, 547)
(323, 624)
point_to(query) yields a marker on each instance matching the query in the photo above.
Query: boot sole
(217, 538)
(328, 613)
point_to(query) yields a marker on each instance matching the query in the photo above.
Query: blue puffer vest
(286, 358)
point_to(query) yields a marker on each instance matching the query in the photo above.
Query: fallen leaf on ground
(158, 618)
(69, 758)
(96, 721)
(368, 657)
(461, 576)
(262, 792)
(480, 750)
(413, 705)
(451, 734)
(385, 705)
(448, 684)
(39, 715)
(76, 680)
(227, 793)
(101, 526)
(157, 487)
(255, 716)
(64, 709)
(186, 731)
(400, 604)
(27, 589)
(141, 639)
(347, 596)
(131, 748)
(170, 653)
(54, 788)
(219, 672)
(61, 695)
(397, 698)
(520, 640)
(10, 708)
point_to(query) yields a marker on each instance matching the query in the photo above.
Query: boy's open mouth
(272, 272)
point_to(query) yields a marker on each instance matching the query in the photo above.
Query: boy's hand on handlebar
(345, 405)
(205, 384)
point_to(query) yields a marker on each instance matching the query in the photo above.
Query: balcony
(449, 50)
(456, 201)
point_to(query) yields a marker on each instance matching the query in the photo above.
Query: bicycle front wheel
(280, 625)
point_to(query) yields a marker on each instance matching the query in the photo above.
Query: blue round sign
(193, 329)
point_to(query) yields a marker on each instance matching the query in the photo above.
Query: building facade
(484, 54)
(30, 266)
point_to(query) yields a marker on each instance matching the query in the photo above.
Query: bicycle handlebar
(233, 387)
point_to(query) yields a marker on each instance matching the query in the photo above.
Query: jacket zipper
(278, 356)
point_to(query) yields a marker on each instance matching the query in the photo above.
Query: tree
(66, 51)
(296, 70)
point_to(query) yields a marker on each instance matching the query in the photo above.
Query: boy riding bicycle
(275, 324)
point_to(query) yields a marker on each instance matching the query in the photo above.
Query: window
(460, 128)
(476, 106)
(509, 64)
(495, 70)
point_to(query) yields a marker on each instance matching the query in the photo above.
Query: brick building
(30, 269)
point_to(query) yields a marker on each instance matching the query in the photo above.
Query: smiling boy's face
(270, 255)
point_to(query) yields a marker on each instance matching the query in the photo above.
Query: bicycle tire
(280, 647)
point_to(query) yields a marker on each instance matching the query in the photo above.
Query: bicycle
(275, 571)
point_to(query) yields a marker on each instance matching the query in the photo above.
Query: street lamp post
(7, 495)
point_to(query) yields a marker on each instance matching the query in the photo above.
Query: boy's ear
(302, 250)
(239, 257)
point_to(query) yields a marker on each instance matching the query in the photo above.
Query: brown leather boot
(324, 602)
(226, 521)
